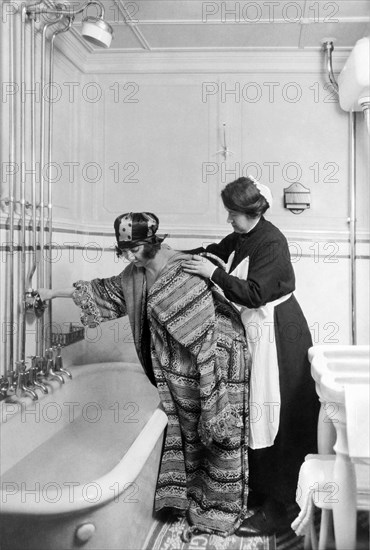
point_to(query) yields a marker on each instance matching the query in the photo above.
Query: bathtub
(79, 466)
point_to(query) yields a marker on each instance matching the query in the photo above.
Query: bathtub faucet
(35, 373)
(4, 384)
(50, 369)
(58, 362)
(9, 382)
(23, 382)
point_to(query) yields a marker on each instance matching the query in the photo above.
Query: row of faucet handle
(23, 381)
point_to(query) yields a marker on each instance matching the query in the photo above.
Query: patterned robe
(200, 365)
(274, 470)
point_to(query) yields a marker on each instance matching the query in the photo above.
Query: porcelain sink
(342, 377)
(340, 364)
(354, 81)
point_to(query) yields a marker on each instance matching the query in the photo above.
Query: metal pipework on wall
(42, 264)
(100, 33)
(22, 332)
(352, 223)
(33, 158)
(28, 301)
(329, 48)
(9, 286)
(49, 219)
(35, 188)
(365, 106)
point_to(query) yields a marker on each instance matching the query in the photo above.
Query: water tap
(35, 373)
(58, 362)
(23, 388)
(50, 370)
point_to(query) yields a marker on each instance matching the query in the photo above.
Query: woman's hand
(198, 265)
(45, 293)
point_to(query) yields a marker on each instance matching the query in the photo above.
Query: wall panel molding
(189, 62)
(205, 232)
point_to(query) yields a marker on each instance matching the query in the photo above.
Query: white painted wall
(148, 139)
(155, 140)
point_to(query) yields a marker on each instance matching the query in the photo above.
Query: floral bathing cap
(134, 228)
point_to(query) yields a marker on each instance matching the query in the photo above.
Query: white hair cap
(263, 189)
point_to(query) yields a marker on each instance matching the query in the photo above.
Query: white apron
(264, 391)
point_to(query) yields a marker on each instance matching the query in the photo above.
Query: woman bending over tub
(191, 344)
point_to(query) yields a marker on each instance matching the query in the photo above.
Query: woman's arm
(99, 300)
(223, 249)
(50, 293)
(270, 276)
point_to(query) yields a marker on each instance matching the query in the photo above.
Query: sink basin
(342, 377)
(341, 364)
(353, 81)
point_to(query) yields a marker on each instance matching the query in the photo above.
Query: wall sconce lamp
(297, 198)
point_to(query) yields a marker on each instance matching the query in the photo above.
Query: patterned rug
(167, 536)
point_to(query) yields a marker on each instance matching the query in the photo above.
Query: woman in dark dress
(258, 277)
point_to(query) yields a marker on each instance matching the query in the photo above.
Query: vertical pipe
(49, 274)
(9, 346)
(22, 186)
(34, 253)
(365, 105)
(352, 223)
(329, 47)
(41, 264)
(40, 271)
(33, 157)
(49, 278)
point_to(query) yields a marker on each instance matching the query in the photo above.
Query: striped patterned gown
(200, 363)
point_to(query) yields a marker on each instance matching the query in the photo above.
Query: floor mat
(167, 536)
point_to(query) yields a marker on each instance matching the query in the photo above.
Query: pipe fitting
(33, 302)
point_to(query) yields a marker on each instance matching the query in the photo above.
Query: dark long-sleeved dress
(270, 278)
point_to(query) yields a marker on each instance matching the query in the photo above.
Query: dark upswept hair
(243, 196)
(150, 249)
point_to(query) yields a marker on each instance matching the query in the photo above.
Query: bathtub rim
(55, 386)
(125, 472)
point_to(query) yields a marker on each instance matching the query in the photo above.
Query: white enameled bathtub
(79, 466)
